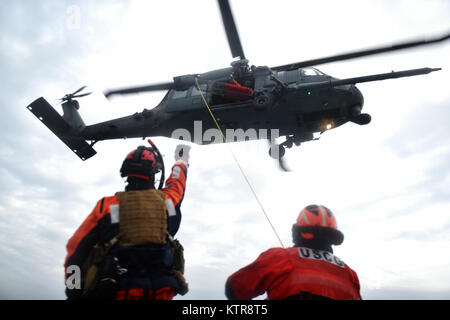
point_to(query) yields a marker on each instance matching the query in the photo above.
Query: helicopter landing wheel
(277, 151)
(288, 144)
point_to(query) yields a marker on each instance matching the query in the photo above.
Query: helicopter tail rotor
(70, 96)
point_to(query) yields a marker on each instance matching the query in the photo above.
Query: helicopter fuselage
(283, 102)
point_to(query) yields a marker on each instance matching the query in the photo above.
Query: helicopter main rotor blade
(362, 53)
(147, 88)
(231, 30)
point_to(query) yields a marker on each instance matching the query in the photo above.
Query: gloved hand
(182, 152)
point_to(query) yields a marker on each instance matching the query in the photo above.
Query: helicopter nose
(356, 106)
(356, 101)
(357, 96)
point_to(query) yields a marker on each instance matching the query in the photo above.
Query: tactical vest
(143, 217)
(142, 220)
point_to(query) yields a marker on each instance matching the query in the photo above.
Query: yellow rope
(237, 162)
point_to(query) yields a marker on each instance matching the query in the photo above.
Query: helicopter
(294, 101)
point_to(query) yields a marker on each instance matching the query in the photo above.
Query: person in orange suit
(137, 227)
(307, 271)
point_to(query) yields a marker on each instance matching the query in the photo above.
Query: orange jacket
(237, 92)
(99, 226)
(284, 273)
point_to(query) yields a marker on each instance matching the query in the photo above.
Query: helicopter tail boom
(63, 130)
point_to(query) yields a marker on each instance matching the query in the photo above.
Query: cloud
(426, 129)
(439, 233)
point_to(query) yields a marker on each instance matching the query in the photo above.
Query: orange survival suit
(307, 271)
(147, 267)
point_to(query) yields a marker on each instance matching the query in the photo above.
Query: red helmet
(317, 219)
(140, 163)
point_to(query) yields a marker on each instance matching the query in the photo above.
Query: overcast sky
(387, 183)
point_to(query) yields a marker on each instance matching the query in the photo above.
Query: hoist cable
(237, 162)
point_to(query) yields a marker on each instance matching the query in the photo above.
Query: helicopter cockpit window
(287, 76)
(281, 75)
(195, 91)
(179, 94)
(311, 72)
(291, 76)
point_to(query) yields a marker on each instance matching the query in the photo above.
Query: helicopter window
(311, 72)
(195, 91)
(291, 76)
(281, 75)
(179, 94)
